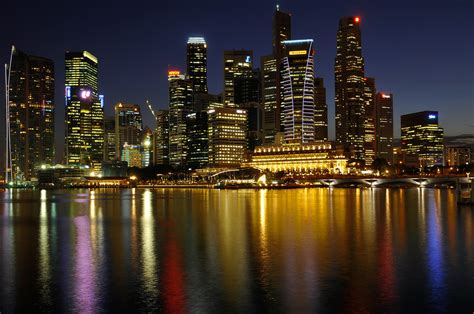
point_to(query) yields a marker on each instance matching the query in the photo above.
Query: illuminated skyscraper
(271, 124)
(161, 138)
(128, 126)
(197, 139)
(237, 64)
(369, 120)
(227, 133)
(349, 87)
(422, 139)
(281, 31)
(180, 105)
(110, 152)
(384, 126)
(197, 63)
(84, 111)
(320, 111)
(31, 114)
(297, 82)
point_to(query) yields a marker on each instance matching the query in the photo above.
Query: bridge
(390, 181)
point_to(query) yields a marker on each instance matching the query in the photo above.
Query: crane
(151, 109)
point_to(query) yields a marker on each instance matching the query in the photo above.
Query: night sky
(422, 51)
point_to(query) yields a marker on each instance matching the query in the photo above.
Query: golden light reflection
(44, 248)
(148, 241)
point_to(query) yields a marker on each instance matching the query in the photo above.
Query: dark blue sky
(421, 50)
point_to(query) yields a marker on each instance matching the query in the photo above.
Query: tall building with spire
(349, 87)
(281, 31)
(84, 111)
(197, 63)
(297, 81)
(31, 113)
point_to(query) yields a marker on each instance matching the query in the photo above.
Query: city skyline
(325, 51)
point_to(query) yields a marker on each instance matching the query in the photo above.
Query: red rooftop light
(357, 19)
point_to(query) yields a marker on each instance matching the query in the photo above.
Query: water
(184, 250)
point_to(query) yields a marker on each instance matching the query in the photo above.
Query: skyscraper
(227, 133)
(84, 111)
(197, 139)
(197, 63)
(180, 105)
(349, 87)
(110, 152)
(128, 126)
(422, 139)
(270, 72)
(161, 138)
(247, 88)
(297, 82)
(384, 126)
(369, 120)
(320, 111)
(237, 64)
(31, 115)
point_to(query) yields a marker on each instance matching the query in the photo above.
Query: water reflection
(304, 250)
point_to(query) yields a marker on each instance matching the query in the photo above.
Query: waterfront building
(422, 139)
(316, 157)
(320, 111)
(237, 64)
(370, 145)
(110, 152)
(197, 140)
(297, 82)
(84, 111)
(180, 105)
(197, 63)
(161, 138)
(384, 126)
(114, 168)
(128, 126)
(31, 114)
(349, 87)
(227, 134)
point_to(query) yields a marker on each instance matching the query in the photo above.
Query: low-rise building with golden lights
(309, 157)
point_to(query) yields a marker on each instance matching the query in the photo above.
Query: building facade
(237, 64)
(270, 71)
(316, 158)
(197, 140)
(320, 111)
(457, 156)
(197, 63)
(161, 138)
(384, 126)
(297, 82)
(180, 105)
(227, 135)
(128, 126)
(370, 144)
(110, 152)
(84, 111)
(422, 139)
(349, 87)
(31, 114)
